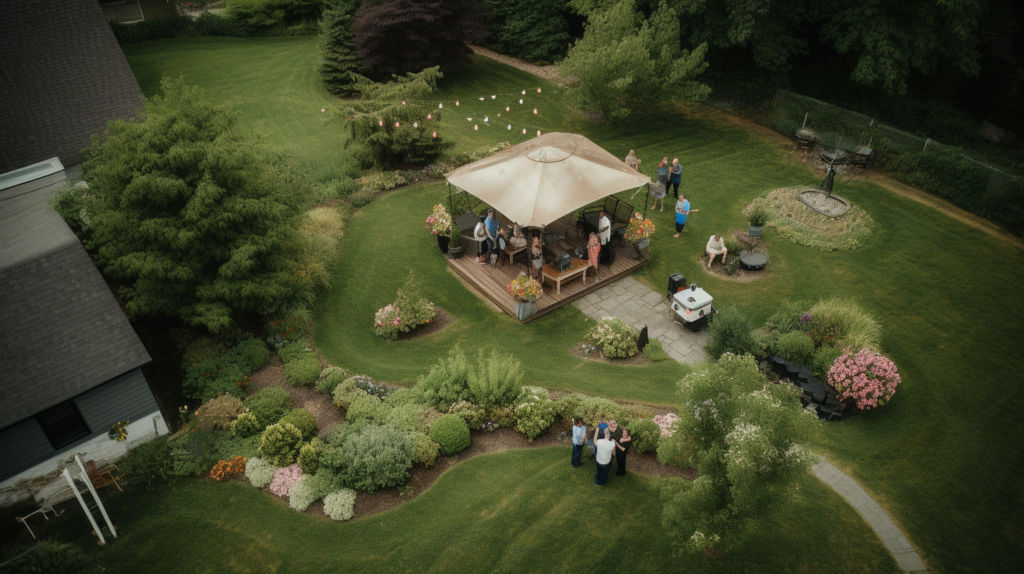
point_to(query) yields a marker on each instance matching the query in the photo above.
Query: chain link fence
(945, 170)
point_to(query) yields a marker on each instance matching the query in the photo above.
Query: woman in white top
(605, 447)
(715, 248)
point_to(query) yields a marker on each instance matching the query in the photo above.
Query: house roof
(62, 77)
(63, 332)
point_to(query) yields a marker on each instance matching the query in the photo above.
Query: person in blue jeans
(605, 446)
(579, 440)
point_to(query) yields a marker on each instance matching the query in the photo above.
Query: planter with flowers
(525, 290)
(440, 224)
(639, 232)
(119, 431)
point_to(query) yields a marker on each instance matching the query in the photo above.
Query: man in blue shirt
(682, 212)
(491, 223)
(579, 439)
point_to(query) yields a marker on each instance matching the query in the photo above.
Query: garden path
(639, 305)
(891, 535)
(546, 72)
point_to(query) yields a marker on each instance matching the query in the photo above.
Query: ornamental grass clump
(284, 479)
(330, 378)
(340, 504)
(866, 380)
(259, 472)
(407, 312)
(534, 411)
(495, 380)
(615, 338)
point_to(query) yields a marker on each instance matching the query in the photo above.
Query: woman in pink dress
(593, 250)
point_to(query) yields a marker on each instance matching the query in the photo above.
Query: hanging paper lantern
(440, 106)
(380, 123)
(524, 92)
(520, 101)
(510, 126)
(534, 111)
(492, 97)
(321, 110)
(538, 133)
(507, 109)
(481, 99)
(469, 119)
(403, 102)
(396, 124)
(456, 102)
(486, 118)
(476, 127)
(499, 115)
(434, 135)
(415, 124)
(428, 116)
(524, 131)
(538, 90)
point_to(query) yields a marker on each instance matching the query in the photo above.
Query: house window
(63, 424)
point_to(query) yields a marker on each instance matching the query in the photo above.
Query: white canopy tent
(545, 178)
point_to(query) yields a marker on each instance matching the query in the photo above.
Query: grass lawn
(944, 457)
(521, 511)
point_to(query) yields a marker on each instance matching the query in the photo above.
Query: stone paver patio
(639, 305)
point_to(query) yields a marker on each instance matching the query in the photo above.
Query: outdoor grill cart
(692, 308)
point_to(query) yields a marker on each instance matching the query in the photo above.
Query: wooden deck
(491, 281)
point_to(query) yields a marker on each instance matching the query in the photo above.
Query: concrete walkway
(876, 517)
(639, 305)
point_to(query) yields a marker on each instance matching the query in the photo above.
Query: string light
(381, 123)
(520, 100)
(434, 135)
(538, 133)
(428, 116)
(524, 92)
(415, 124)
(486, 118)
(507, 109)
(510, 126)
(538, 90)
(481, 99)
(403, 103)
(492, 97)
(321, 110)
(524, 131)
(396, 124)
(440, 106)
(456, 102)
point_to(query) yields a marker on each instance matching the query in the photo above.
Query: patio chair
(47, 506)
(105, 475)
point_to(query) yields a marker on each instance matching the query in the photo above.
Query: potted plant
(639, 232)
(440, 224)
(525, 290)
(455, 247)
(119, 431)
(756, 217)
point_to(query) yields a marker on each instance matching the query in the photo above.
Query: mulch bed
(441, 320)
(598, 356)
(741, 275)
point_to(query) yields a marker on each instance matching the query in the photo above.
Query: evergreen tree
(191, 217)
(338, 59)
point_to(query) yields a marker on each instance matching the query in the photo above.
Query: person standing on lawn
(675, 177)
(622, 447)
(663, 169)
(683, 211)
(579, 439)
(605, 445)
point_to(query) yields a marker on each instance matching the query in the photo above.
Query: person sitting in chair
(715, 248)
(517, 240)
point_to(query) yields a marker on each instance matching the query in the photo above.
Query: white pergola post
(78, 495)
(96, 497)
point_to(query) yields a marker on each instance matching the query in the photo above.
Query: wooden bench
(577, 269)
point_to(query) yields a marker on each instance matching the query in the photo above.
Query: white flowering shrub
(534, 411)
(259, 472)
(339, 504)
(309, 489)
(615, 338)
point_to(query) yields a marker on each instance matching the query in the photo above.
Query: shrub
(407, 312)
(338, 57)
(867, 379)
(849, 324)
(615, 338)
(766, 343)
(252, 354)
(259, 472)
(330, 378)
(303, 370)
(406, 417)
(268, 405)
(528, 29)
(787, 319)
(534, 411)
(309, 489)
(217, 413)
(645, 432)
(212, 377)
(284, 479)
(655, 352)
(303, 420)
(677, 450)
(451, 432)
(451, 162)
(565, 406)
(499, 417)
(309, 457)
(594, 410)
(666, 423)
(496, 380)
(192, 450)
(49, 557)
(202, 349)
(474, 415)
(368, 408)
(362, 197)
(339, 504)
(824, 358)
(347, 392)
(280, 443)
(405, 396)
(427, 450)
(228, 469)
(797, 347)
(730, 333)
(148, 462)
(246, 425)
(447, 381)
(226, 446)
(378, 457)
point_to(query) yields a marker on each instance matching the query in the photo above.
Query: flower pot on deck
(641, 250)
(525, 310)
(442, 242)
(454, 251)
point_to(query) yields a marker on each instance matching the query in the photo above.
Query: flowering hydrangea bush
(667, 423)
(866, 379)
(615, 338)
(524, 289)
(440, 222)
(339, 505)
(534, 411)
(284, 478)
(639, 228)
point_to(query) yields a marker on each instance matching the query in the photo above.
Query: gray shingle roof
(62, 330)
(62, 77)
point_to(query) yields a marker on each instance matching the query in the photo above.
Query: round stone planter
(755, 231)
(525, 310)
(454, 251)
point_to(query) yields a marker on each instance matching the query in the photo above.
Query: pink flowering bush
(667, 423)
(284, 479)
(866, 380)
(407, 312)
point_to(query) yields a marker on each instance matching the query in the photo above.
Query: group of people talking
(610, 441)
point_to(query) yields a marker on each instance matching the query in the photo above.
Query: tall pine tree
(338, 58)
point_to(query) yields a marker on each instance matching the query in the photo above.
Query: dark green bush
(645, 432)
(50, 557)
(280, 443)
(303, 420)
(596, 410)
(534, 30)
(207, 375)
(362, 197)
(269, 405)
(655, 352)
(797, 347)
(824, 358)
(378, 457)
(246, 425)
(270, 17)
(252, 354)
(294, 350)
(330, 378)
(304, 370)
(309, 456)
(451, 432)
(730, 333)
(148, 462)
